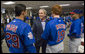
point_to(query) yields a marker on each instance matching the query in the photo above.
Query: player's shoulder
(50, 22)
(77, 21)
(82, 16)
(20, 23)
(60, 20)
(25, 25)
(54, 20)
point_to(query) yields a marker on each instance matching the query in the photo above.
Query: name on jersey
(59, 26)
(11, 28)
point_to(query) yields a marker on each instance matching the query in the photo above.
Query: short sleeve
(28, 36)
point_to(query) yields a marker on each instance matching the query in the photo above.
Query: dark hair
(19, 8)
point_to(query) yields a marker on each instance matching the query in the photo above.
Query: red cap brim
(72, 12)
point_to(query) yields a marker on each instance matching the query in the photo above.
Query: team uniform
(75, 36)
(54, 34)
(37, 18)
(27, 18)
(68, 20)
(19, 37)
(82, 26)
(51, 18)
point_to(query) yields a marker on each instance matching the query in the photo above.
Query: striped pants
(55, 48)
(74, 44)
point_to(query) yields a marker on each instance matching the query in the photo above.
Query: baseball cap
(72, 12)
(76, 11)
(81, 11)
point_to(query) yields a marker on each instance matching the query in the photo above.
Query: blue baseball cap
(81, 11)
(76, 11)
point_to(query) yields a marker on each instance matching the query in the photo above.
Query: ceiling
(36, 4)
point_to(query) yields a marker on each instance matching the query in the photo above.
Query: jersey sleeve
(82, 19)
(29, 39)
(46, 32)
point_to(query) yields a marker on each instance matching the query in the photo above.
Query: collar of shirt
(19, 19)
(57, 18)
(76, 19)
(43, 21)
(81, 16)
(43, 25)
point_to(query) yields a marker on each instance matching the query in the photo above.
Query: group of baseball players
(21, 39)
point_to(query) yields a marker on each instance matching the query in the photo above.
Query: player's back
(14, 36)
(57, 31)
(75, 28)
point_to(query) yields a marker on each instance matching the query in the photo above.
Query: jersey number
(15, 42)
(60, 33)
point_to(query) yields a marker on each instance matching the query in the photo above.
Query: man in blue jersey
(82, 23)
(68, 20)
(19, 37)
(75, 32)
(54, 32)
(50, 17)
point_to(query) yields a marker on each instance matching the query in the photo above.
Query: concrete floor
(66, 48)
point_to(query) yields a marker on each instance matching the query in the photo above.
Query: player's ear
(23, 13)
(26, 12)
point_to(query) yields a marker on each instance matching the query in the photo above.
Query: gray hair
(44, 11)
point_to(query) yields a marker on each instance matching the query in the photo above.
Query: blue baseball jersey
(68, 19)
(82, 24)
(75, 29)
(27, 18)
(37, 18)
(51, 18)
(32, 17)
(19, 37)
(54, 31)
(62, 18)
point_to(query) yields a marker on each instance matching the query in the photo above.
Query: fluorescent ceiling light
(29, 8)
(64, 4)
(43, 6)
(7, 3)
